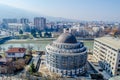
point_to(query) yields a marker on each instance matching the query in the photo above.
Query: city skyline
(71, 9)
(59, 39)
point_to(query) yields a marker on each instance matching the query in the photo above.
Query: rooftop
(16, 50)
(110, 41)
(115, 78)
(66, 38)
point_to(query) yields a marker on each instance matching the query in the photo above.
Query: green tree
(39, 32)
(32, 68)
(20, 32)
(33, 32)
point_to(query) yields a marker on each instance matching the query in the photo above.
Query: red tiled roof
(16, 50)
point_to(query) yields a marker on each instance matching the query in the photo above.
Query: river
(37, 44)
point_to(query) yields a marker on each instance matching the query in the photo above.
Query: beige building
(107, 53)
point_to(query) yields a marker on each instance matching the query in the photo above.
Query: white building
(15, 26)
(107, 53)
(95, 29)
(4, 33)
(16, 52)
(78, 28)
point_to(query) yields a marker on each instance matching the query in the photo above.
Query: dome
(66, 38)
(66, 49)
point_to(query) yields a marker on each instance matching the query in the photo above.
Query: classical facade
(65, 56)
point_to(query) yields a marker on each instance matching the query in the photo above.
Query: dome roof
(66, 38)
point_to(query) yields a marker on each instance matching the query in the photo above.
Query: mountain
(12, 12)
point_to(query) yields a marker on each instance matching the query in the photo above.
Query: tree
(116, 34)
(20, 32)
(32, 68)
(50, 34)
(39, 32)
(33, 32)
(26, 28)
(30, 48)
(4, 25)
(46, 34)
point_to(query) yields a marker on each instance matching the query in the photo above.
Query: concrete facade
(107, 53)
(66, 57)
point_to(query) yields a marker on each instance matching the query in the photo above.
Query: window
(9, 54)
(113, 63)
(114, 55)
(63, 46)
(113, 58)
(67, 46)
(118, 65)
(118, 69)
(13, 53)
(57, 71)
(111, 73)
(112, 67)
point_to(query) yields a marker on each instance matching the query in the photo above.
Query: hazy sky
(73, 9)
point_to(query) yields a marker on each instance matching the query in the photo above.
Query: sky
(105, 10)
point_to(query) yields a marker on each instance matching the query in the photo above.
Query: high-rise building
(107, 52)
(40, 23)
(24, 20)
(65, 56)
(10, 20)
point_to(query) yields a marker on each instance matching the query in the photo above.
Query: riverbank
(38, 44)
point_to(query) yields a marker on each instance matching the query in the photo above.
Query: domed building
(65, 56)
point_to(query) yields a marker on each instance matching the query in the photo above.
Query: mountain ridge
(12, 12)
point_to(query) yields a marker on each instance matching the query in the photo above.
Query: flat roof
(110, 41)
(115, 78)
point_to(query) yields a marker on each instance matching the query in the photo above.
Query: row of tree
(37, 33)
